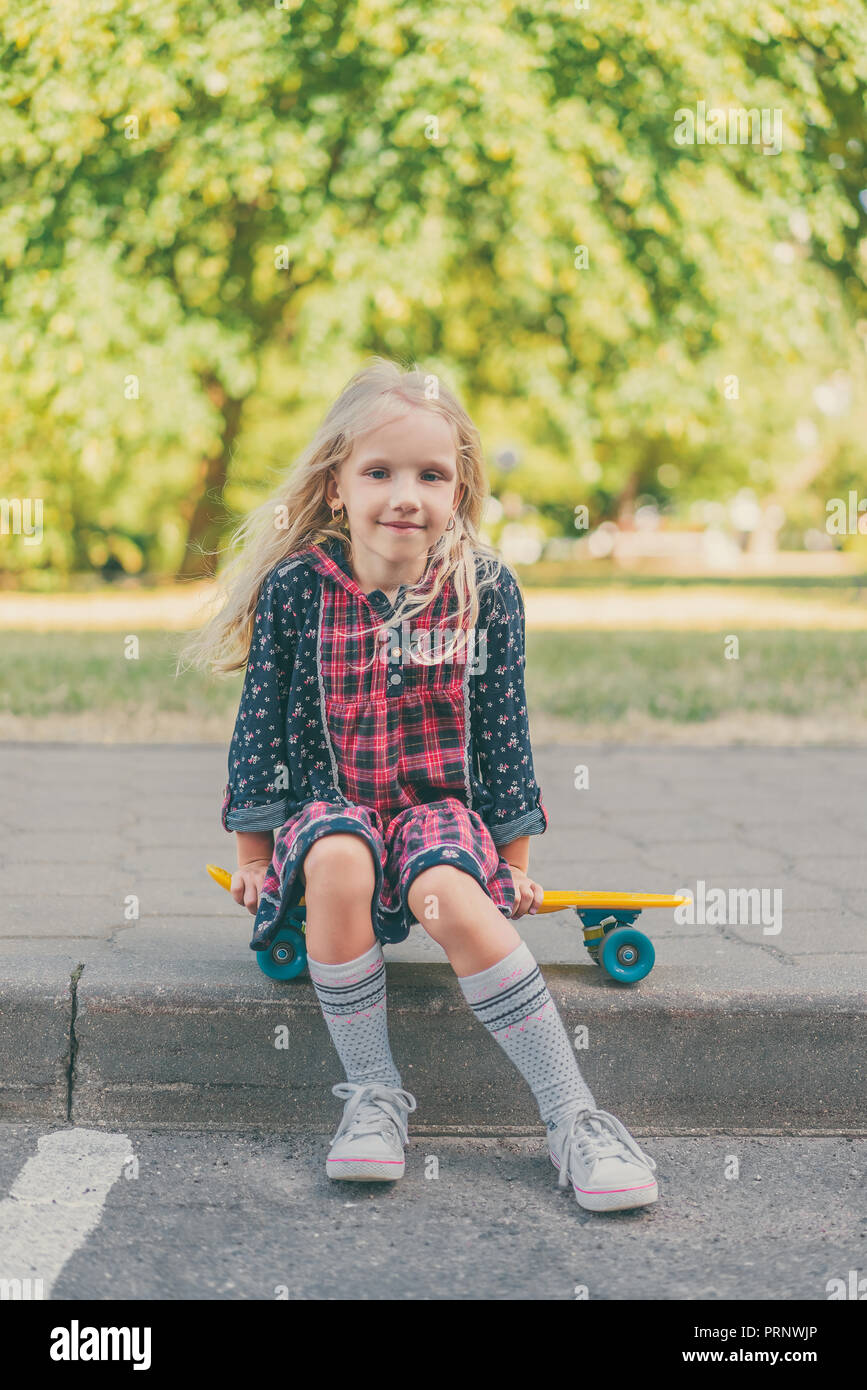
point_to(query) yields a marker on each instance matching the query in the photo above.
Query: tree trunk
(205, 511)
(624, 507)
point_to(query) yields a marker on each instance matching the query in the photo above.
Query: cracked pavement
(110, 931)
(88, 828)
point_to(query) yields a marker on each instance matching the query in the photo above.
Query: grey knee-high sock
(512, 1000)
(352, 996)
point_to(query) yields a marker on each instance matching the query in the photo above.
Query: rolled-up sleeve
(500, 729)
(256, 796)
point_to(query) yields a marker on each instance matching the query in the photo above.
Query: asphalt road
(167, 1215)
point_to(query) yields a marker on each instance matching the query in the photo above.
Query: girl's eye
(437, 477)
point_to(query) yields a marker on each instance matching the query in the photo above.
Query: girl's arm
(510, 802)
(257, 794)
(517, 853)
(255, 851)
(254, 847)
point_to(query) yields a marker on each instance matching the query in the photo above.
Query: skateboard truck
(607, 920)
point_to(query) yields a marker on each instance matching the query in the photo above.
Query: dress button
(395, 680)
(395, 651)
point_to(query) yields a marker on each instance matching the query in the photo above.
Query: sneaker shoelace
(598, 1134)
(372, 1107)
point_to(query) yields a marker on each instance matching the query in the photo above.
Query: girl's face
(399, 487)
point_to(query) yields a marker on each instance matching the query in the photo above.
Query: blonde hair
(368, 400)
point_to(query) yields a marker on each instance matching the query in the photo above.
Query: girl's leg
(344, 957)
(504, 987)
(339, 880)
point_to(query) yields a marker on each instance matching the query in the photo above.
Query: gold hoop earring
(451, 525)
(337, 515)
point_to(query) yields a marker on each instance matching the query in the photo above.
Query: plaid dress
(341, 730)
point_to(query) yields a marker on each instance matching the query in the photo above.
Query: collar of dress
(329, 558)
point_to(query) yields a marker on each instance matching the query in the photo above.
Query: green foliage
(179, 307)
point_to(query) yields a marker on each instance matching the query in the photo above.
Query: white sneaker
(368, 1145)
(607, 1168)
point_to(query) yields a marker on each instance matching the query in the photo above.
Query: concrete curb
(108, 1046)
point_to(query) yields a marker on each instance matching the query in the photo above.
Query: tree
(192, 193)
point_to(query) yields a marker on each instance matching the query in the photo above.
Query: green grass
(69, 672)
(554, 574)
(685, 677)
(580, 676)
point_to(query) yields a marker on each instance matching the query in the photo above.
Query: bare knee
(441, 896)
(339, 864)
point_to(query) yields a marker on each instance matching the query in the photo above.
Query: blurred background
(212, 215)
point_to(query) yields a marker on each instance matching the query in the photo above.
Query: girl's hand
(530, 893)
(247, 883)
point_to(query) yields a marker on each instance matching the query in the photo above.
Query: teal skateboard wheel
(286, 957)
(627, 955)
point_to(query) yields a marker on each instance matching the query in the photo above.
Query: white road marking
(56, 1201)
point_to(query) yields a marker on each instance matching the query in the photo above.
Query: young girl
(398, 778)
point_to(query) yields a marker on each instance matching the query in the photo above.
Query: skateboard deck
(607, 919)
(555, 901)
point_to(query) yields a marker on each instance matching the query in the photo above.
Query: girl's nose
(404, 500)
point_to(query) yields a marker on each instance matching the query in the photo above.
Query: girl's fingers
(245, 890)
(524, 900)
(538, 896)
(251, 897)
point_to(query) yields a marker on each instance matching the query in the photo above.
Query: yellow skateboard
(607, 920)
